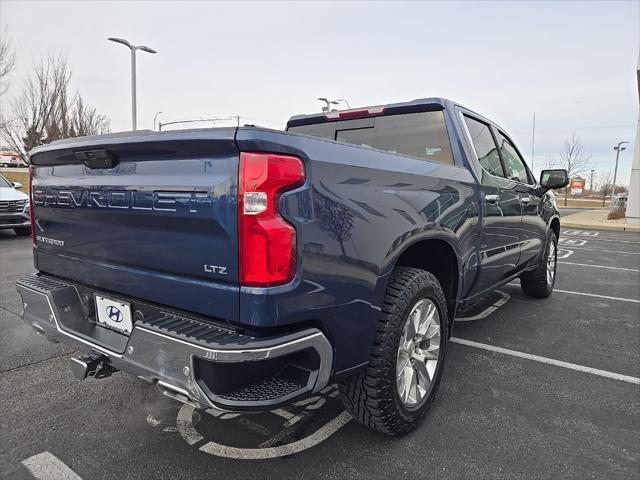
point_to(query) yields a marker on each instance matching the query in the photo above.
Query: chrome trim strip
(249, 354)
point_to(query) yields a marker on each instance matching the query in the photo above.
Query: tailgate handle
(97, 158)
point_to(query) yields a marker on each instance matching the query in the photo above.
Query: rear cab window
(421, 135)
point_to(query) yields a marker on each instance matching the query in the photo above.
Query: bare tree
(574, 160)
(605, 185)
(550, 163)
(85, 120)
(45, 110)
(7, 61)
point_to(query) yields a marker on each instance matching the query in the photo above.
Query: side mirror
(16, 185)
(552, 179)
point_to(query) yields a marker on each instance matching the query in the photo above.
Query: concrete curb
(580, 207)
(598, 226)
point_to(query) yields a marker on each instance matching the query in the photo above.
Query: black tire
(371, 396)
(22, 231)
(535, 283)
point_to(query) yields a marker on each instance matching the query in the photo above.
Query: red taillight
(31, 213)
(267, 243)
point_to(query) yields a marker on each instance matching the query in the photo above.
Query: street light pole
(618, 149)
(134, 101)
(533, 141)
(155, 117)
(133, 49)
(591, 184)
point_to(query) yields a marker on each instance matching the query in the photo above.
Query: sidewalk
(596, 219)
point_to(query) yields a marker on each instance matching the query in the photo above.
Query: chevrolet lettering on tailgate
(168, 201)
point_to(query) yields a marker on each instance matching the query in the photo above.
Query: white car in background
(14, 208)
(11, 160)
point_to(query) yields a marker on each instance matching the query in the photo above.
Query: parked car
(244, 268)
(14, 208)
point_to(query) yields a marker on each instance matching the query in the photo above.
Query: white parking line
(611, 240)
(571, 292)
(572, 242)
(584, 234)
(581, 232)
(607, 251)
(564, 253)
(597, 296)
(548, 361)
(46, 466)
(321, 434)
(601, 266)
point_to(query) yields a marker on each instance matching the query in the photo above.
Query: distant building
(576, 187)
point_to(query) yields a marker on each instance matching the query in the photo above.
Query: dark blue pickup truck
(244, 268)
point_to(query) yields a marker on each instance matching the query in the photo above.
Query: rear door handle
(525, 200)
(492, 198)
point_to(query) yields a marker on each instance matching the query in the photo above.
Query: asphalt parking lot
(532, 389)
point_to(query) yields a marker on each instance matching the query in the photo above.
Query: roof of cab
(421, 104)
(418, 105)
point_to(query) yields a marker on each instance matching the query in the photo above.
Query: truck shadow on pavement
(8, 236)
(277, 433)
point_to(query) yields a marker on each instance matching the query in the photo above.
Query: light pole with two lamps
(618, 148)
(134, 49)
(328, 102)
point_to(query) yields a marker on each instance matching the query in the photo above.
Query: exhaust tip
(38, 329)
(178, 394)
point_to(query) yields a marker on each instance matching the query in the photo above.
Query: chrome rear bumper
(190, 360)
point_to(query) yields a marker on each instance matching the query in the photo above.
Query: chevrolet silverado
(244, 268)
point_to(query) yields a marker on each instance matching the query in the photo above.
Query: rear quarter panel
(357, 212)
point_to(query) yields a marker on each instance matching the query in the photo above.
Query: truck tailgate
(148, 215)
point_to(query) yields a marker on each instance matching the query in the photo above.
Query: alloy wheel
(418, 353)
(551, 263)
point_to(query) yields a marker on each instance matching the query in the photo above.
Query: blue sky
(573, 63)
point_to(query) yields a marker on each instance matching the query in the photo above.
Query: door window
(513, 163)
(485, 146)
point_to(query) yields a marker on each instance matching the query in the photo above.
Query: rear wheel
(395, 391)
(22, 231)
(539, 282)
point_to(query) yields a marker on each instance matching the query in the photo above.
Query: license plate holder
(114, 314)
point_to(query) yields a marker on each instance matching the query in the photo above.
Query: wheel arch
(437, 254)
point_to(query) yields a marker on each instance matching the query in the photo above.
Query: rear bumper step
(190, 360)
